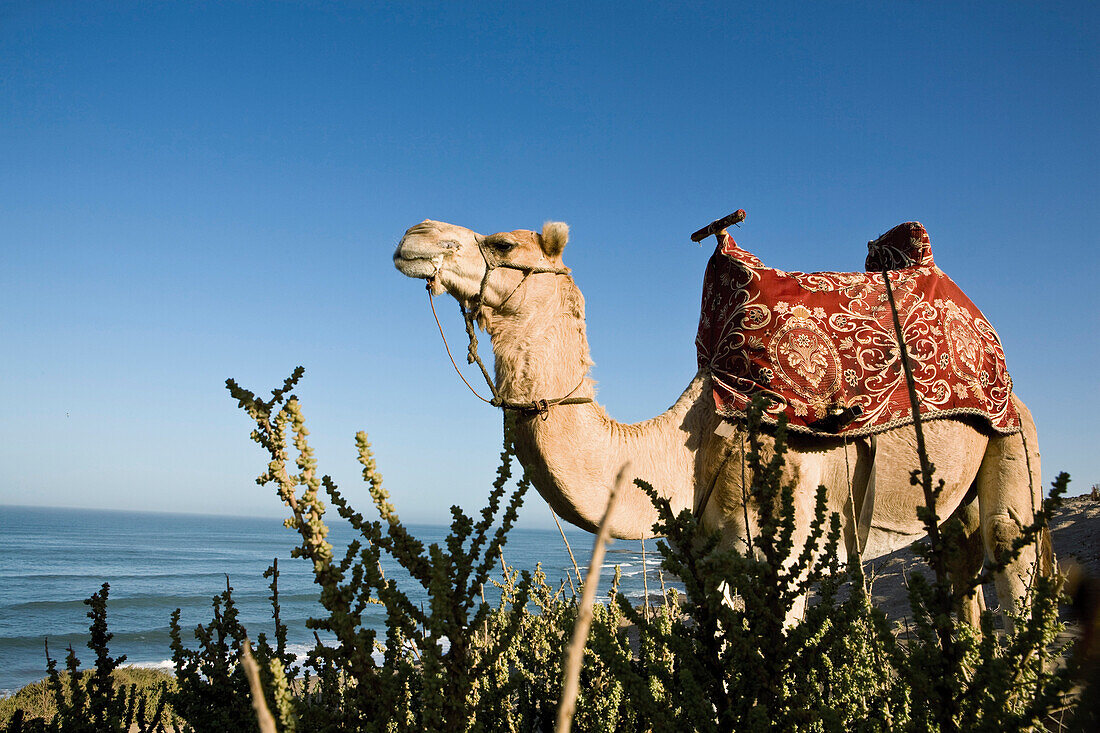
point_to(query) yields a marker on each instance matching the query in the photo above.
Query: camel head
(454, 259)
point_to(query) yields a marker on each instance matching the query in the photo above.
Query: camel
(535, 316)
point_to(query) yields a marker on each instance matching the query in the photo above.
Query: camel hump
(906, 245)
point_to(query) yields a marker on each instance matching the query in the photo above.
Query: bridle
(469, 316)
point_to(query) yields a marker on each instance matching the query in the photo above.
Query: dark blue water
(52, 559)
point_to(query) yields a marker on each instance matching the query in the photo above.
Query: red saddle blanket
(823, 347)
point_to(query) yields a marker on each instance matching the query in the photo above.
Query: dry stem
(575, 655)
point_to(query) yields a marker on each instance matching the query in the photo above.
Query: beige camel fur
(537, 326)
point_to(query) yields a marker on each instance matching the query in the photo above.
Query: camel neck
(543, 353)
(574, 454)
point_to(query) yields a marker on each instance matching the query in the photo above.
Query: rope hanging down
(534, 407)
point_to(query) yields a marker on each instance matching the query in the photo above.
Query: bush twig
(575, 658)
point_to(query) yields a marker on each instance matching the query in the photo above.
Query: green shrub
(95, 700)
(429, 670)
(695, 661)
(722, 665)
(965, 679)
(212, 691)
(706, 664)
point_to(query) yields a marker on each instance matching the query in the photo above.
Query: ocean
(53, 559)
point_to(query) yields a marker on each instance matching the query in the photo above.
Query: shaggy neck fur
(574, 454)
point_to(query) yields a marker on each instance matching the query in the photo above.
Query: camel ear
(554, 236)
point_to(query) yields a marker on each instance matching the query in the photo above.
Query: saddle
(823, 348)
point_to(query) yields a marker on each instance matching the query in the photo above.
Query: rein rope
(534, 407)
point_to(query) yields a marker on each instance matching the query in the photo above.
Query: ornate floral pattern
(804, 356)
(818, 342)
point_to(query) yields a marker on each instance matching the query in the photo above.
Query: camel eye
(503, 246)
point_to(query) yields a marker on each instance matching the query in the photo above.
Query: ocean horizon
(55, 558)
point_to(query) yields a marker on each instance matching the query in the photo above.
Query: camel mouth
(423, 268)
(419, 258)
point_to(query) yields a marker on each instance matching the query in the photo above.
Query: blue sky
(192, 191)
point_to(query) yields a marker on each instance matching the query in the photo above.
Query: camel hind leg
(1008, 494)
(966, 565)
(1030, 441)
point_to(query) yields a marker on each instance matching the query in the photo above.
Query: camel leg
(797, 612)
(1047, 562)
(805, 470)
(1005, 505)
(969, 562)
(808, 474)
(735, 536)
